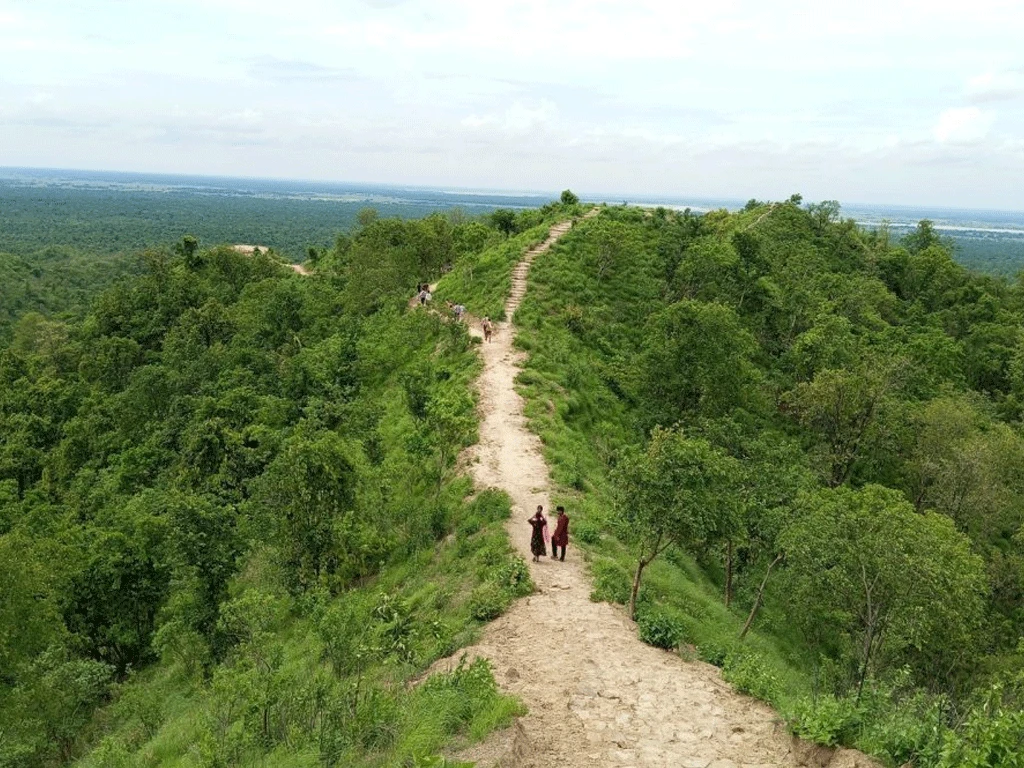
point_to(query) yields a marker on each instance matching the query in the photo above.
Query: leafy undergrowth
(316, 681)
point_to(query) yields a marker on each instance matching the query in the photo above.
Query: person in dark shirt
(560, 538)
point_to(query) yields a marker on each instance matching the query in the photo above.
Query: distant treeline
(114, 221)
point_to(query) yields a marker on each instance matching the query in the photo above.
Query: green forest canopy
(215, 472)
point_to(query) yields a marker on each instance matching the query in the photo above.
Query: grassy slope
(483, 281)
(572, 406)
(360, 717)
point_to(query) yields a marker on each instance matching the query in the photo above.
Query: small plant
(660, 629)
(826, 720)
(488, 601)
(611, 582)
(750, 673)
(514, 577)
(714, 651)
(586, 532)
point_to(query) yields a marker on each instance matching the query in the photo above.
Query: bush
(491, 506)
(586, 533)
(751, 673)
(488, 601)
(514, 577)
(611, 582)
(826, 720)
(661, 629)
(714, 650)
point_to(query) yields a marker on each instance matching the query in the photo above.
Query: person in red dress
(560, 538)
(538, 522)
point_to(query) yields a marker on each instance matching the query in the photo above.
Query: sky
(908, 102)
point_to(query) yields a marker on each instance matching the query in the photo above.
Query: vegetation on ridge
(859, 402)
(227, 500)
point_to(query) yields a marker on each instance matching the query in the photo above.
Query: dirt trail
(597, 695)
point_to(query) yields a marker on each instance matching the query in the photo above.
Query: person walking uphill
(538, 522)
(560, 538)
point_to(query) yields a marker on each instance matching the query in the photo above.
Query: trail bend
(597, 696)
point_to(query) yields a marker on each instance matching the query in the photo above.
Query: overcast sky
(888, 101)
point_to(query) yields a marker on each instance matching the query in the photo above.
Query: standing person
(423, 296)
(538, 522)
(486, 325)
(560, 538)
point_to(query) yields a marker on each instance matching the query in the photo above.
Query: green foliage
(863, 564)
(752, 673)
(611, 581)
(991, 735)
(482, 281)
(660, 628)
(826, 720)
(195, 477)
(866, 393)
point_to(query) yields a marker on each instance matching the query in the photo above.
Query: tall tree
(679, 491)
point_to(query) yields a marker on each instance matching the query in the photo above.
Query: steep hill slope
(596, 694)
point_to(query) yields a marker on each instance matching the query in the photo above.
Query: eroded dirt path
(597, 695)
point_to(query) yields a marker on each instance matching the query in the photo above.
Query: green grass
(482, 281)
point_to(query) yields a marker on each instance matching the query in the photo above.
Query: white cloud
(962, 124)
(996, 86)
(518, 119)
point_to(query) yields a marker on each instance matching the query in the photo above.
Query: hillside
(857, 403)
(250, 517)
(230, 524)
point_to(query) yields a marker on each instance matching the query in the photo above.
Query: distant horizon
(589, 195)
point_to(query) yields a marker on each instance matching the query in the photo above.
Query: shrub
(514, 577)
(611, 582)
(491, 506)
(714, 650)
(586, 532)
(661, 629)
(488, 601)
(751, 673)
(826, 720)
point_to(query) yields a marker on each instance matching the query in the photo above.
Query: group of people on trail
(457, 310)
(540, 537)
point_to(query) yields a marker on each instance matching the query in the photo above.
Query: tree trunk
(640, 565)
(760, 594)
(728, 573)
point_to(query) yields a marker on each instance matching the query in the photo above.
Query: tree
(307, 496)
(842, 407)
(504, 219)
(863, 564)
(696, 359)
(678, 491)
(569, 198)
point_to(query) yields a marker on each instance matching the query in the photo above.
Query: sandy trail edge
(597, 695)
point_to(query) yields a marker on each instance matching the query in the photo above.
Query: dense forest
(55, 281)
(227, 500)
(106, 214)
(232, 530)
(795, 450)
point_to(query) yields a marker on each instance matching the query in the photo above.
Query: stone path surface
(597, 696)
